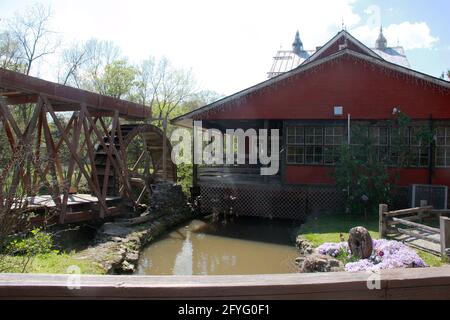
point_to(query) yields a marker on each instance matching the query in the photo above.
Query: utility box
(435, 195)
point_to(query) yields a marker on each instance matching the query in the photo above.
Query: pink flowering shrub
(387, 254)
(333, 249)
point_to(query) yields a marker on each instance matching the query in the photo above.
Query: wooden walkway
(423, 283)
(80, 208)
(46, 201)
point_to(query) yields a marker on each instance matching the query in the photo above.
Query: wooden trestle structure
(69, 137)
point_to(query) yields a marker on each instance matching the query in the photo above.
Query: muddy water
(245, 246)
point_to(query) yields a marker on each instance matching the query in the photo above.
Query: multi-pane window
(418, 149)
(442, 147)
(380, 139)
(296, 145)
(313, 144)
(334, 137)
(399, 143)
(322, 144)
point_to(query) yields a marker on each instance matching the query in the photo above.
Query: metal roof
(286, 60)
(394, 55)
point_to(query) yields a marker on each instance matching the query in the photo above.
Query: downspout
(348, 144)
(348, 129)
(430, 152)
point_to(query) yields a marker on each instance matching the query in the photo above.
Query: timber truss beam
(38, 143)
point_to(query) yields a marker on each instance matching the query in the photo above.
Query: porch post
(445, 236)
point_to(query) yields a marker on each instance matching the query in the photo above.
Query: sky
(229, 44)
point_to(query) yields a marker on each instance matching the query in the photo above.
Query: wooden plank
(416, 235)
(416, 225)
(60, 142)
(408, 211)
(440, 212)
(37, 155)
(123, 152)
(51, 154)
(90, 152)
(10, 118)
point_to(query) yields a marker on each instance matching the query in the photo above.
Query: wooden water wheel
(143, 163)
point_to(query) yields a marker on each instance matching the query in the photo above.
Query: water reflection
(184, 258)
(247, 246)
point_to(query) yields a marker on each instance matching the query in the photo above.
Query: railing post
(445, 235)
(423, 203)
(382, 220)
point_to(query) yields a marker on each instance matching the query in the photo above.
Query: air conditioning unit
(435, 196)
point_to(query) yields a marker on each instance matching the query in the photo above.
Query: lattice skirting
(275, 201)
(291, 202)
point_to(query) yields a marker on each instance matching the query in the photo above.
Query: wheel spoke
(141, 194)
(138, 161)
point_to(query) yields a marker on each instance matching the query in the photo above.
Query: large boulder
(360, 242)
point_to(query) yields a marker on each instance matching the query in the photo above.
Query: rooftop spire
(381, 42)
(297, 46)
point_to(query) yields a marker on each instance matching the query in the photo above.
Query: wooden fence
(410, 223)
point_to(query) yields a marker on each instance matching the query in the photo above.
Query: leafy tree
(118, 79)
(165, 88)
(367, 175)
(10, 53)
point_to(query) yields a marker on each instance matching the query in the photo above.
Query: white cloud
(410, 35)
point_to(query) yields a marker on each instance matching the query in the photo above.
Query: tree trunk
(360, 242)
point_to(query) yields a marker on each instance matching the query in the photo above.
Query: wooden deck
(80, 208)
(424, 283)
(428, 246)
(46, 201)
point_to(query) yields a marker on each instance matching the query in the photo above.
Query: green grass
(53, 263)
(327, 228)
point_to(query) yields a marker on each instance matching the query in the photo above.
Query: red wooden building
(311, 105)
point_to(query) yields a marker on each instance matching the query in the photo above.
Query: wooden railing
(390, 222)
(420, 283)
